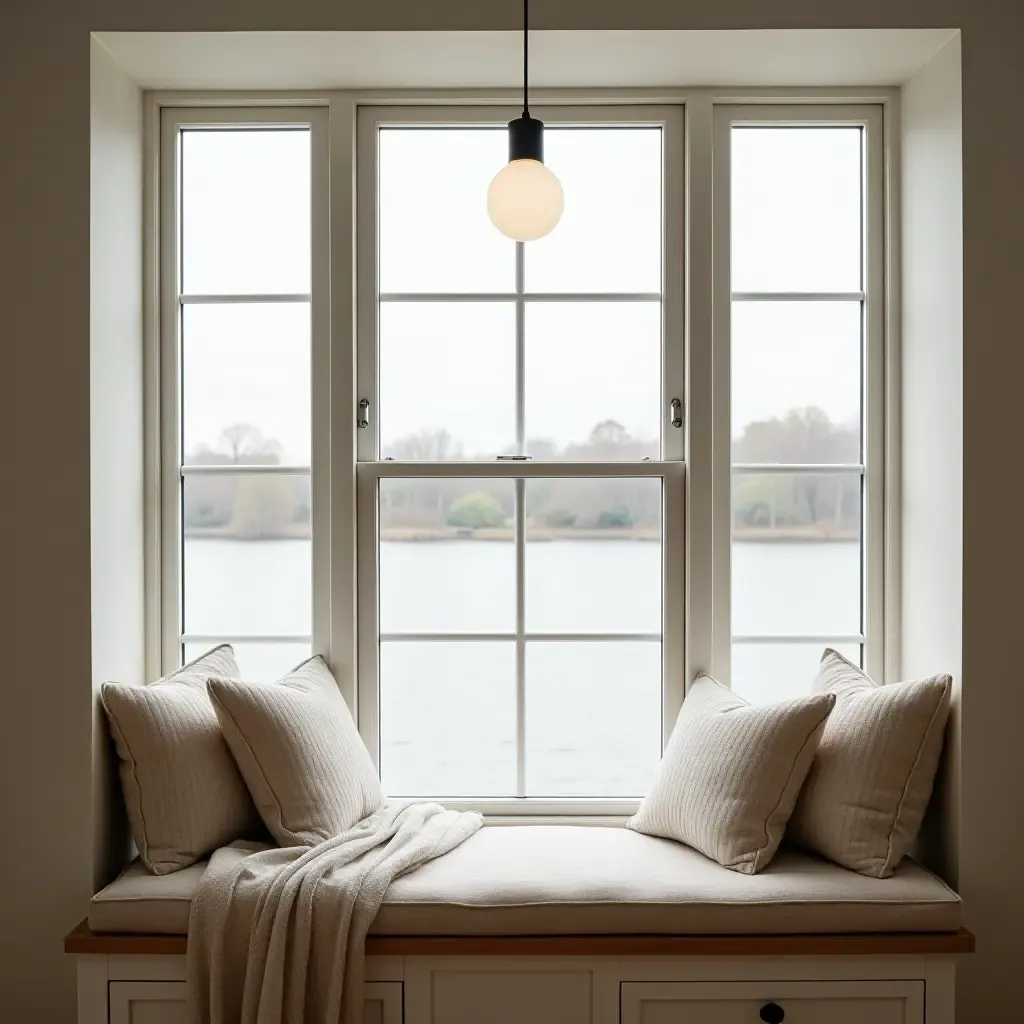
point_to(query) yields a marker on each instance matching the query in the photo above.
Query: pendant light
(524, 200)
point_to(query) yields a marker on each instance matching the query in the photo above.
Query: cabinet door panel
(147, 1002)
(383, 1002)
(510, 997)
(826, 1002)
(163, 1002)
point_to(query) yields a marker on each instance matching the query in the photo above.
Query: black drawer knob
(772, 1013)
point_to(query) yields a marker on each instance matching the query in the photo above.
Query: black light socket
(526, 139)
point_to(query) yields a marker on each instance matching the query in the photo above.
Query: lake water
(593, 708)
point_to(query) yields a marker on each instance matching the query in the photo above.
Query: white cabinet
(791, 1002)
(163, 1002)
(539, 989)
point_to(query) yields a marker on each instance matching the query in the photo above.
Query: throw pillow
(872, 776)
(300, 753)
(182, 790)
(731, 774)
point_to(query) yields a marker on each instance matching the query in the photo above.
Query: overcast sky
(796, 218)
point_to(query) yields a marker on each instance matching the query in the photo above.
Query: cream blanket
(277, 936)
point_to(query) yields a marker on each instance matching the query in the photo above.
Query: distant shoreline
(757, 535)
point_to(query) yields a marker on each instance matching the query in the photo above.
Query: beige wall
(45, 731)
(116, 427)
(932, 411)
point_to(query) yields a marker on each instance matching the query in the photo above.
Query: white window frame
(701, 469)
(171, 302)
(670, 469)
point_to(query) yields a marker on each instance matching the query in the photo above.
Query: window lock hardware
(676, 412)
(514, 458)
(363, 416)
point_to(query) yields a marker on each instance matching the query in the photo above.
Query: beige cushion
(868, 788)
(183, 793)
(139, 903)
(731, 774)
(299, 752)
(576, 880)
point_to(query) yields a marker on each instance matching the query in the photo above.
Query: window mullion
(169, 610)
(559, 297)
(246, 298)
(798, 296)
(879, 610)
(520, 542)
(508, 469)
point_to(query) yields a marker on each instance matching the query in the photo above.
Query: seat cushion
(576, 880)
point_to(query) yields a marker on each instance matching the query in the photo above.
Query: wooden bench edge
(82, 940)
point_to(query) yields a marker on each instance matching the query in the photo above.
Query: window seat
(547, 880)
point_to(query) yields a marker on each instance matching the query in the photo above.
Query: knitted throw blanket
(277, 936)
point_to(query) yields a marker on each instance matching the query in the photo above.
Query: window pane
(245, 211)
(246, 383)
(593, 718)
(260, 662)
(447, 379)
(593, 380)
(609, 238)
(762, 673)
(246, 558)
(796, 553)
(796, 209)
(448, 719)
(447, 556)
(796, 382)
(432, 210)
(593, 556)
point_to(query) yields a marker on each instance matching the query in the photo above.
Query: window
(803, 288)
(518, 495)
(238, 327)
(518, 464)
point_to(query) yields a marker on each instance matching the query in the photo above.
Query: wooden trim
(82, 940)
(913, 943)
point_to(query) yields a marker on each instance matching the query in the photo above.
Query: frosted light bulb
(525, 200)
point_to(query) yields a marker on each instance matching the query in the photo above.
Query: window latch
(363, 415)
(675, 412)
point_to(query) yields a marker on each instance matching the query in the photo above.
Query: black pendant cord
(526, 58)
(526, 134)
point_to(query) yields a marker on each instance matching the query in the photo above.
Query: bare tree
(246, 445)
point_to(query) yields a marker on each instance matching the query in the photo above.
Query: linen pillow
(731, 774)
(182, 790)
(299, 752)
(867, 791)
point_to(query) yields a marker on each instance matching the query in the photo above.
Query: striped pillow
(182, 791)
(867, 791)
(731, 774)
(299, 752)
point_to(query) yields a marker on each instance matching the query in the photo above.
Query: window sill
(543, 811)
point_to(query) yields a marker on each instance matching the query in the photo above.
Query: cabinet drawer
(163, 1002)
(798, 1002)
